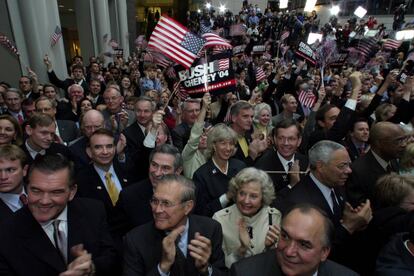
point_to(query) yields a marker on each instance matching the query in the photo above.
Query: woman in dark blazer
(212, 179)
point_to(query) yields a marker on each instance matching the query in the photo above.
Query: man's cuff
(162, 273)
(351, 104)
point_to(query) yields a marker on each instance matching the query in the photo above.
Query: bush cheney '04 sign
(215, 76)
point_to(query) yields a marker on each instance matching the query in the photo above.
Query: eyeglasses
(154, 202)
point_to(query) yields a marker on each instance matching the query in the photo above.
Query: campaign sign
(215, 76)
(306, 52)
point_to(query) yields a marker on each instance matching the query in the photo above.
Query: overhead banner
(215, 76)
(305, 51)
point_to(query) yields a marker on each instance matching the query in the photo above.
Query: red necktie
(23, 199)
(20, 119)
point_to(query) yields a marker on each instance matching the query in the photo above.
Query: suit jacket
(68, 130)
(180, 135)
(137, 154)
(365, 172)
(78, 151)
(143, 247)
(27, 250)
(64, 84)
(265, 264)
(53, 149)
(239, 152)
(211, 183)
(5, 211)
(270, 161)
(90, 185)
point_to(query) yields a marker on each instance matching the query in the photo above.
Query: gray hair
(322, 151)
(252, 174)
(258, 109)
(240, 105)
(171, 150)
(75, 85)
(220, 132)
(188, 101)
(146, 99)
(188, 187)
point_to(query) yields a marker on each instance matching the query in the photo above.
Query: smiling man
(176, 242)
(56, 232)
(303, 248)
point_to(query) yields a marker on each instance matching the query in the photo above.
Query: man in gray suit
(303, 248)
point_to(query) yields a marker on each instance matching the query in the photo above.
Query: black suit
(27, 250)
(265, 264)
(365, 172)
(137, 153)
(133, 204)
(68, 130)
(78, 150)
(143, 247)
(64, 84)
(90, 185)
(211, 183)
(180, 135)
(239, 152)
(270, 161)
(5, 211)
(53, 149)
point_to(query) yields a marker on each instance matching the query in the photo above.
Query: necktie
(336, 208)
(59, 238)
(111, 188)
(289, 164)
(20, 119)
(23, 199)
(179, 266)
(244, 146)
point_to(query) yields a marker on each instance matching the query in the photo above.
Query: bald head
(91, 121)
(388, 140)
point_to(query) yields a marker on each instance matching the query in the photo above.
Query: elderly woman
(262, 120)
(212, 178)
(249, 225)
(10, 131)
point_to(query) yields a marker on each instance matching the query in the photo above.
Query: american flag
(213, 40)
(160, 60)
(56, 36)
(391, 44)
(175, 41)
(222, 64)
(180, 91)
(170, 72)
(237, 29)
(204, 29)
(307, 98)
(5, 42)
(260, 74)
(365, 46)
(284, 35)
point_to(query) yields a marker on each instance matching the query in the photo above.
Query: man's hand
(256, 147)
(200, 249)
(272, 236)
(355, 219)
(157, 118)
(82, 265)
(294, 173)
(206, 100)
(168, 249)
(47, 62)
(120, 146)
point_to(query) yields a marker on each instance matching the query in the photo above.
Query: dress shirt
(285, 162)
(16, 114)
(63, 225)
(32, 152)
(114, 177)
(12, 200)
(326, 191)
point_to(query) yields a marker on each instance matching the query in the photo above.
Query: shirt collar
(284, 161)
(12, 200)
(325, 190)
(63, 216)
(32, 152)
(102, 172)
(381, 161)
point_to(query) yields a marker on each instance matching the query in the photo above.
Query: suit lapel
(36, 241)
(75, 226)
(100, 188)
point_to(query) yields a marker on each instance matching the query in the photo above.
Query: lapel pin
(99, 187)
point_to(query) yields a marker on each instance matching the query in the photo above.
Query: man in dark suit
(13, 99)
(135, 135)
(181, 133)
(134, 200)
(66, 129)
(13, 169)
(53, 233)
(104, 178)
(302, 249)
(388, 142)
(283, 158)
(91, 121)
(176, 242)
(248, 149)
(41, 132)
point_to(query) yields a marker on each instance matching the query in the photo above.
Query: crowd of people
(303, 172)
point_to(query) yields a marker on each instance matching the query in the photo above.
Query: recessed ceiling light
(61, 6)
(71, 10)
